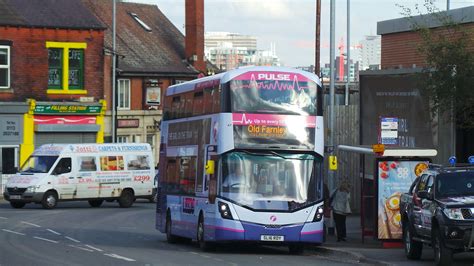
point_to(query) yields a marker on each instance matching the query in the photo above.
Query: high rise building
(369, 56)
(230, 50)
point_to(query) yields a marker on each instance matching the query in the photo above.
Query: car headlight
(454, 213)
(32, 189)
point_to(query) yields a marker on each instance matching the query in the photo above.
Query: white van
(92, 172)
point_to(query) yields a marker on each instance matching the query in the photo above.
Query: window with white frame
(122, 139)
(124, 94)
(4, 67)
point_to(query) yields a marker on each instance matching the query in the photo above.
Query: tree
(449, 79)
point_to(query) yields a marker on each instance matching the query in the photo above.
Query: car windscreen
(455, 184)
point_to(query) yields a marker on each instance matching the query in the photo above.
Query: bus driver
(235, 179)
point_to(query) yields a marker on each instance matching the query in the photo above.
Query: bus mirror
(210, 167)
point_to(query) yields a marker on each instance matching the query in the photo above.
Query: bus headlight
(225, 210)
(319, 214)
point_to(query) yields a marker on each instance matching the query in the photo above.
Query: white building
(230, 50)
(369, 54)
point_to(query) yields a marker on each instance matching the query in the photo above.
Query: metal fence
(346, 132)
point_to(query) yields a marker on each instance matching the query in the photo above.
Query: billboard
(394, 177)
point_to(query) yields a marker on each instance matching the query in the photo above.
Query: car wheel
(153, 198)
(126, 199)
(50, 200)
(17, 204)
(443, 255)
(95, 203)
(413, 248)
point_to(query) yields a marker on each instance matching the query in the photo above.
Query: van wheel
(95, 203)
(126, 199)
(153, 198)
(17, 204)
(50, 200)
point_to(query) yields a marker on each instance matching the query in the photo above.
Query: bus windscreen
(273, 93)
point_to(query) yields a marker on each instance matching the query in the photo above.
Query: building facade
(150, 57)
(369, 53)
(51, 85)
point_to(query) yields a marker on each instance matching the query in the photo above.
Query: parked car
(438, 210)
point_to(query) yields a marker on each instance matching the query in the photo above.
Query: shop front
(61, 122)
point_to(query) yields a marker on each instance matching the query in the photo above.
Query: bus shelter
(384, 175)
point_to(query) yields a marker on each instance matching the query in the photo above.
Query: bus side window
(216, 100)
(208, 100)
(170, 184)
(198, 103)
(188, 107)
(175, 107)
(167, 111)
(182, 105)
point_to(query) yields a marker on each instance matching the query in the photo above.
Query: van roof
(57, 149)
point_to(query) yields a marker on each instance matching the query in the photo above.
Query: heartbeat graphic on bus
(243, 120)
(276, 85)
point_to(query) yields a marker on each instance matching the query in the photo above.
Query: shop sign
(64, 120)
(130, 123)
(63, 108)
(10, 129)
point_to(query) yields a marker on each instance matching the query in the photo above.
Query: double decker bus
(241, 159)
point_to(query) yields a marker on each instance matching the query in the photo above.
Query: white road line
(195, 253)
(94, 248)
(81, 248)
(45, 239)
(119, 257)
(54, 232)
(1, 217)
(72, 239)
(205, 256)
(13, 232)
(35, 225)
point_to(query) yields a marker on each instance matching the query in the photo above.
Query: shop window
(111, 163)
(124, 94)
(4, 67)
(66, 68)
(122, 139)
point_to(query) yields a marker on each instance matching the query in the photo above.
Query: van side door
(62, 180)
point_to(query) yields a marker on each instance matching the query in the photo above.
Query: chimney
(194, 40)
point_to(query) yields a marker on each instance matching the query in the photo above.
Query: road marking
(54, 232)
(72, 239)
(195, 253)
(81, 248)
(45, 239)
(119, 257)
(13, 232)
(35, 225)
(1, 217)
(94, 248)
(205, 256)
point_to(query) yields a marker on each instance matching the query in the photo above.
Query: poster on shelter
(394, 178)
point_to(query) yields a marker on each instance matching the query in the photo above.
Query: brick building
(51, 76)
(151, 56)
(395, 92)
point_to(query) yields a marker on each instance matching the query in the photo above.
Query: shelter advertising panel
(394, 177)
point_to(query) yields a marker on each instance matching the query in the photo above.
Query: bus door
(187, 178)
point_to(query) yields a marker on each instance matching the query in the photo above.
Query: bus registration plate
(272, 238)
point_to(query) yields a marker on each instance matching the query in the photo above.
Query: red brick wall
(402, 49)
(29, 62)
(136, 92)
(194, 39)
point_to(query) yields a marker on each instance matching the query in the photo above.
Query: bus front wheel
(204, 245)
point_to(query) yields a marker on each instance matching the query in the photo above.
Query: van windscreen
(38, 164)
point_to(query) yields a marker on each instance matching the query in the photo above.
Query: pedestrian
(341, 208)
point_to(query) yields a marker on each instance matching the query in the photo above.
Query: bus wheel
(126, 199)
(17, 204)
(169, 237)
(95, 203)
(204, 245)
(50, 200)
(296, 249)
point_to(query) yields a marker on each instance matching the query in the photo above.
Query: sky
(290, 24)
